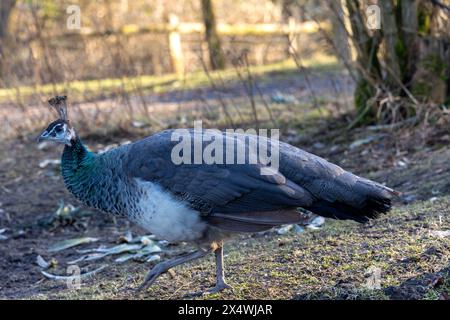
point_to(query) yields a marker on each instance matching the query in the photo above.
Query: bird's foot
(151, 276)
(216, 289)
(164, 266)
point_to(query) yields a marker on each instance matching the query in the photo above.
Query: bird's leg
(162, 267)
(220, 278)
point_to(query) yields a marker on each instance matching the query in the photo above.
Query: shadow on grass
(433, 285)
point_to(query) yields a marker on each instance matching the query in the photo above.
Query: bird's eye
(58, 129)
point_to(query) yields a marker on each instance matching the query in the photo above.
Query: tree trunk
(6, 7)
(216, 57)
(340, 36)
(430, 80)
(403, 64)
(409, 37)
(392, 45)
(367, 59)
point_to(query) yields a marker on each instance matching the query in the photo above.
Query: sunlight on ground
(81, 90)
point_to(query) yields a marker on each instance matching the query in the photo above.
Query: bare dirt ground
(408, 247)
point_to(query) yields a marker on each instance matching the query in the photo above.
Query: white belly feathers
(167, 217)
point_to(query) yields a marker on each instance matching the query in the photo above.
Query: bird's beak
(43, 136)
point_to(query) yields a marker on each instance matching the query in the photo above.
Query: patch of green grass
(91, 89)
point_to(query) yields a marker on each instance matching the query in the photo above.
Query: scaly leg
(220, 278)
(162, 267)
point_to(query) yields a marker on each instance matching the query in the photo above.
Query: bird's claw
(216, 289)
(149, 279)
(165, 266)
(219, 287)
(145, 284)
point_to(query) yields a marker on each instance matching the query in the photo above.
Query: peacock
(207, 203)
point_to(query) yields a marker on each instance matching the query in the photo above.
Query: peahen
(206, 203)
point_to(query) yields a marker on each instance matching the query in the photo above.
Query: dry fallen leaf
(440, 233)
(65, 278)
(47, 162)
(154, 258)
(42, 263)
(3, 237)
(65, 244)
(126, 238)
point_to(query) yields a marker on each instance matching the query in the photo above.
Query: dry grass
(331, 263)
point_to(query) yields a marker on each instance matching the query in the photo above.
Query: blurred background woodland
(396, 54)
(362, 83)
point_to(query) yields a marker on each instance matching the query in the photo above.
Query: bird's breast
(167, 217)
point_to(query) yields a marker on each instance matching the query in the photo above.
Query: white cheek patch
(70, 135)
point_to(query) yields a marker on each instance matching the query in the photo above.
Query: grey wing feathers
(217, 188)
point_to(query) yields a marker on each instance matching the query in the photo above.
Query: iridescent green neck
(78, 168)
(95, 179)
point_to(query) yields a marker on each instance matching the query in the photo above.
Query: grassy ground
(332, 263)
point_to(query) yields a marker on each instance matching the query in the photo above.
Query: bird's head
(59, 131)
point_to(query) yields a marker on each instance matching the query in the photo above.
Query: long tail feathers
(377, 200)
